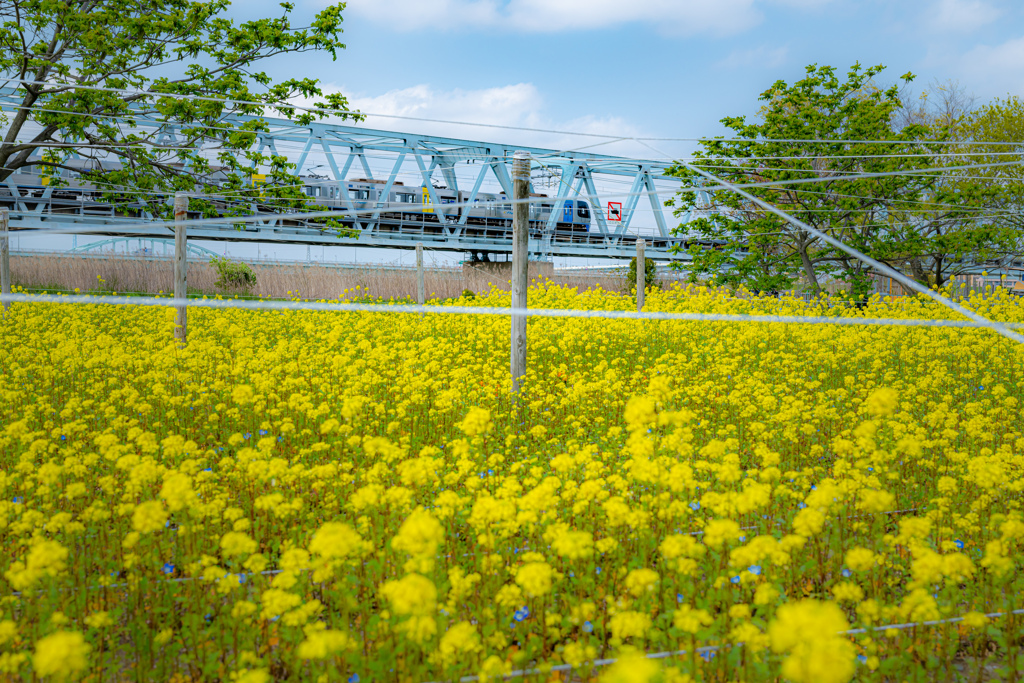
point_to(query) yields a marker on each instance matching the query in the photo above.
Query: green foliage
(1001, 121)
(125, 45)
(926, 223)
(468, 294)
(650, 275)
(233, 275)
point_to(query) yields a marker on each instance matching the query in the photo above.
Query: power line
(342, 212)
(350, 113)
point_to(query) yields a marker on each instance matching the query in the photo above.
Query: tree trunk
(805, 259)
(917, 271)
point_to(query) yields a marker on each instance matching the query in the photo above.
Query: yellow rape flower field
(353, 496)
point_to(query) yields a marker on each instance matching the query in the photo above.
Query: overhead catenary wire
(64, 87)
(342, 212)
(143, 118)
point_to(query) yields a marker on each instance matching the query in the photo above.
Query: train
(406, 209)
(489, 214)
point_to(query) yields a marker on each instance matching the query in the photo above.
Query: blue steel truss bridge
(394, 190)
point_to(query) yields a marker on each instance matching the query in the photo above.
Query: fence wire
(341, 307)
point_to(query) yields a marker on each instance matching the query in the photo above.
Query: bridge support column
(502, 270)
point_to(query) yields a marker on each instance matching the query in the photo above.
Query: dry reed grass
(133, 274)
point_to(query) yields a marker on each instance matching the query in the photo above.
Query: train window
(360, 195)
(405, 197)
(582, 210)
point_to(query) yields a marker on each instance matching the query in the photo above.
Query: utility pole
(421, 290)
(520, 263)
(5, 257)
(641, 274)
(180, 266)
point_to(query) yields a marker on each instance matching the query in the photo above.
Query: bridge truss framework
(346, 148)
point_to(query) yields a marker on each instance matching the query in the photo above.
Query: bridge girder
(345, 146)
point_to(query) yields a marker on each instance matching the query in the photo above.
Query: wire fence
(972, 320)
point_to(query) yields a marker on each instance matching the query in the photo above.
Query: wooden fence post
(421, 290)
(520, 263)
(5, 257)
(180, 267)
(641, 274)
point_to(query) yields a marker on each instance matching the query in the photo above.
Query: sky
(660, 68)
(630, 68)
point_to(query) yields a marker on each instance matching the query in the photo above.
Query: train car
(491, 211)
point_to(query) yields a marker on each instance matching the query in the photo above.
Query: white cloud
(763, 57)
(997, 69)
(514, 107)
(510, 105)
(549, 16)
(962, 16)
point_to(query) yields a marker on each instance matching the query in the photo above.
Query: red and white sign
(615, 211)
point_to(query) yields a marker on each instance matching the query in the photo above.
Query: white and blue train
(405, 209)
(488, 213)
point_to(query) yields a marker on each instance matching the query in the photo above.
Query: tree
(997, 129)
(828, 131)
(945, 244)
(89, 72)
(650, 274)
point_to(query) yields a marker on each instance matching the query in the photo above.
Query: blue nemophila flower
(846, 573)
(708, 655)
(354, 678)
(168, 568)
(754, 569)
(588, 627)
(695, 506)
(735, 579)
(862, 658)
(521, 614)
(959, 544)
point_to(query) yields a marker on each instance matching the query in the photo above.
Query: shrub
(650, 275)
(233, 274)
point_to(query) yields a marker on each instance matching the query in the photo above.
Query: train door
(567, 211)
(583, 212)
